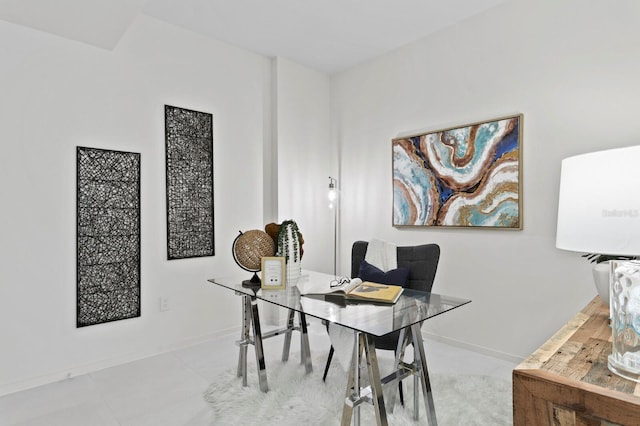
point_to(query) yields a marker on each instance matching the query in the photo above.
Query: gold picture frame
(273, 273)
(468, 176)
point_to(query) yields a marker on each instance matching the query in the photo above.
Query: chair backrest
(422, 261)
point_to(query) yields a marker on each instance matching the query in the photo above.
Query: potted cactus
(288, 240)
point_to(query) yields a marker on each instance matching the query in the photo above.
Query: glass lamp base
(625, 319)
(622, 370)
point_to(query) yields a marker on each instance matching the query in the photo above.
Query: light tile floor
(167, 389)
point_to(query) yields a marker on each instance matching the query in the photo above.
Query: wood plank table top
(568, 377)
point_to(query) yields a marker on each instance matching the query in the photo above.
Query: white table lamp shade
(599, 202)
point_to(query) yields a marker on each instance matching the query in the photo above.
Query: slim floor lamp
(333, 204)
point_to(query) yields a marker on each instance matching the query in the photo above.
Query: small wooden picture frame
(273, 273)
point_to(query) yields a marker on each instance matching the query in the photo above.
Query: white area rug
(295, 398)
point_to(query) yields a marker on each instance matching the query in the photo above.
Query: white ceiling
(327, 35)
(97, 22)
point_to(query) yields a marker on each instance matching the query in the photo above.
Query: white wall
(572, 69)
(56, 94)
(306, 158)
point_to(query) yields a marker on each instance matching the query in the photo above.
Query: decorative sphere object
(250, 247)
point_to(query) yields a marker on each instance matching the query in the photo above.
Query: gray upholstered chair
(422, 262)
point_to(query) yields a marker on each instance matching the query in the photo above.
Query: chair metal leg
(326, 367)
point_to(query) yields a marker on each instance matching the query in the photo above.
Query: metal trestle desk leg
(305, 351)
(250, 317)
(421, 361)
(355, 394)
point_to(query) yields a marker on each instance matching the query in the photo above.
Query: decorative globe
(248, 250)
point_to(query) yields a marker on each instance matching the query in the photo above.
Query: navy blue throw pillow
(368, 272)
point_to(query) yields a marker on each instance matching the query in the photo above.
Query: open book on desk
(356, 290)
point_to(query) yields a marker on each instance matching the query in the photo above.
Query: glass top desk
(366, 320)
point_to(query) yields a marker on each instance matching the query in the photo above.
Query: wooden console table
(567, 382)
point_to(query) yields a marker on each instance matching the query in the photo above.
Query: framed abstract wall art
(462, 177)
(108, 235)
(189, 164)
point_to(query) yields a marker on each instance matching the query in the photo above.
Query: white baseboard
(475, 348)
(74, 371)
